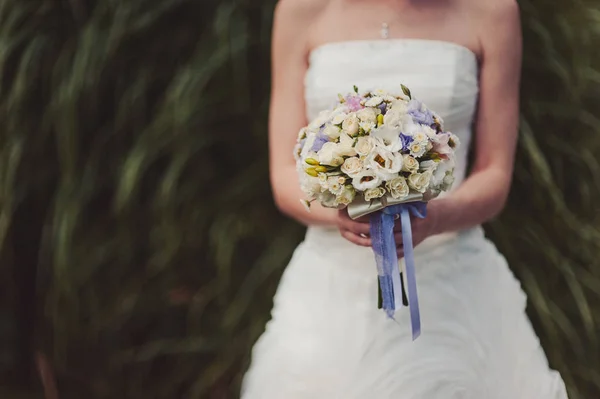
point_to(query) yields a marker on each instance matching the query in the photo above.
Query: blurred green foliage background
(138, 238)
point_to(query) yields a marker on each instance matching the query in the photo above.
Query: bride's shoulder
(296, 11)
(293, 20)
(503, 15)
(496, 10)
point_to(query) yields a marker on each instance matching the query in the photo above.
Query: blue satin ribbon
(384, 246)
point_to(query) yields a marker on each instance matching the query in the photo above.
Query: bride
(327, 339)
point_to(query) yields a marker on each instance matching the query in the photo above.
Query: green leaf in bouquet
(406, 91)
(355, 89)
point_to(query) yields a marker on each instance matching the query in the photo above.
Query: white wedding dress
(327, 339)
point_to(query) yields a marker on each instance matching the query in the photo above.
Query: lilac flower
(353, 103)
(419, 113)
(320, 140)
(383, 108)
(406, 141)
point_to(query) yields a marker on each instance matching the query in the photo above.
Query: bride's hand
(421, 228)
(356, 231)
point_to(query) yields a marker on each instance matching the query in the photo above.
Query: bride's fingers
(355, 238)
(355, 227)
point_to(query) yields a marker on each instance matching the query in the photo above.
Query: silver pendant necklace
(385, 31)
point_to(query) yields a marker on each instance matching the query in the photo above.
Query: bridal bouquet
(382, 155)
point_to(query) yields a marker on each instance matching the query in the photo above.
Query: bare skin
(489, 28)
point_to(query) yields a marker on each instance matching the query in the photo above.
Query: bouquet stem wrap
(384, 246)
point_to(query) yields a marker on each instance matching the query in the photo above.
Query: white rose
(329, 155)
(367, 115)
(339, 118)
(346, 196)
(417, 149)
(419, 181)
(364, 145)
(387, 137)
(351, 124)
(373, 193)
(373, 101)
(352, 166)
(346, 146)
(409, 164)
(332, 131)
(385, 164)
(365, 180)
(398, 187)
(367, 126)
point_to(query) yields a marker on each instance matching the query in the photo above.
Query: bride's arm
(287, 117)
(287, 110)
(483, 195)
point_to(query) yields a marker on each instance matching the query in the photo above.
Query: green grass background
(133, 178)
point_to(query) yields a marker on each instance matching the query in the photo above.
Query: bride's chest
(441, 74)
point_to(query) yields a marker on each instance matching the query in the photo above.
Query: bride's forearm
(287, 195)
(479, 199)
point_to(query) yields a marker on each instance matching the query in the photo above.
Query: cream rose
(365, 180)
(352, 166)
(329, 155)
(373, 193)
(398, 187)
(346, 196)
(332, 131)
(367, 126)
(419, 181)
(351, 124)
(385, 164)
(367, 115)
(409, 164)
(364, 145)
